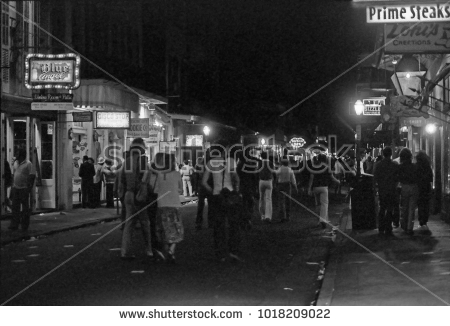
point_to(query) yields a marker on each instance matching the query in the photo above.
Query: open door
(45, 153)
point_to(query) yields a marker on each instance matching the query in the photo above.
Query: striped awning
(101, 94)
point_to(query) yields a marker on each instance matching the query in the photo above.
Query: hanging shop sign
(113, 119)
(167, 146)
(415, 122)
(153, 137)
(58, 97)
(138, 128)
(52, 71)
(297, 142)
(373, 105)
(408, 13)
(82, 116)
(194, 140)
(417, 38)
(407, 106)
(51, 106)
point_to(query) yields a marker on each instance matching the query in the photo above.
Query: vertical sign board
(139, 128)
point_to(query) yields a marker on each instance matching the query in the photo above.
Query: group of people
(402, 187)
(93, 178)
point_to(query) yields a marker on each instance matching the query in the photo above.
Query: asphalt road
(282, 267)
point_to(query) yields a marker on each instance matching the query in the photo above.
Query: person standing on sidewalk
(285, 182)
(424, 181)
(131, 177)
(21, 192)
(186, 173)
(87, 173)
(386, 179)
(98, 181)
(110, 178)
(266, 177)
(410, 190)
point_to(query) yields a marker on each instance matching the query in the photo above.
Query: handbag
(145, 193)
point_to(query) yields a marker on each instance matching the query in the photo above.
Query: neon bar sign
(52, 71)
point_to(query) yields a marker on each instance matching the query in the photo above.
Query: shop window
(47, 150)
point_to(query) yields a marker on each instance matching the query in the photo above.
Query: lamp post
(206, 131)
(359, 109)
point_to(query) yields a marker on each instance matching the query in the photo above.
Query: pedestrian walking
(203, 195)
(119, 190)
(86, 173)
(186, 173)
(410, 190)
(131, 177)
(266, 176)
(386, 179)
(109, 176)
(227, 237)
(424, 182)
(319, 181)
(20, 192)
(169, 225)
(247, 169)
(285, 182)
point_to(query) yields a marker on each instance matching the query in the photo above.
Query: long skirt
(169, 226)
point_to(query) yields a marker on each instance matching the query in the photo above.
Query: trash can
(363, 203)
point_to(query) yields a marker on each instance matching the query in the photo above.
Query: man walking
(21, 192)
(266, 177)
(386, 178)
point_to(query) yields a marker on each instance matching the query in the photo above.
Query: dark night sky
(277, 52)
(245, 55)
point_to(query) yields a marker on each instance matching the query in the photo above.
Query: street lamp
(359, 109)
(206, 131)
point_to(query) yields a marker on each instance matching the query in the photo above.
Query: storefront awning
(101, 94)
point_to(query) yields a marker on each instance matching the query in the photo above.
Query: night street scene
(253, 159)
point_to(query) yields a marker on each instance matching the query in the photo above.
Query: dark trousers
(387, 207)
(396, 213)
(110, 195)
(284, 202)
(86, 192)
(227, 235)
(423, 207)
(202, 195)
(20, 208)
(96, 192)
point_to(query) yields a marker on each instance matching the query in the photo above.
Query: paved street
(283, 266)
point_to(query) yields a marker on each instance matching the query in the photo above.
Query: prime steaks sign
(408, 13)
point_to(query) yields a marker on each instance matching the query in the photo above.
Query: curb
(63, 229)
(325, 296)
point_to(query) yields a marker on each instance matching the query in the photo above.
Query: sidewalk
(368, 270)
(53, 222)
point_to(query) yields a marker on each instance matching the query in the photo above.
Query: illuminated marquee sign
(372, 106)
(113, 119)
(52, 71)
(408, 13)
(297, 142)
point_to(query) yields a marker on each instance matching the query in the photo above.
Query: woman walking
(131, 178)
(410, 190)
(424, 182)
(167, 181)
